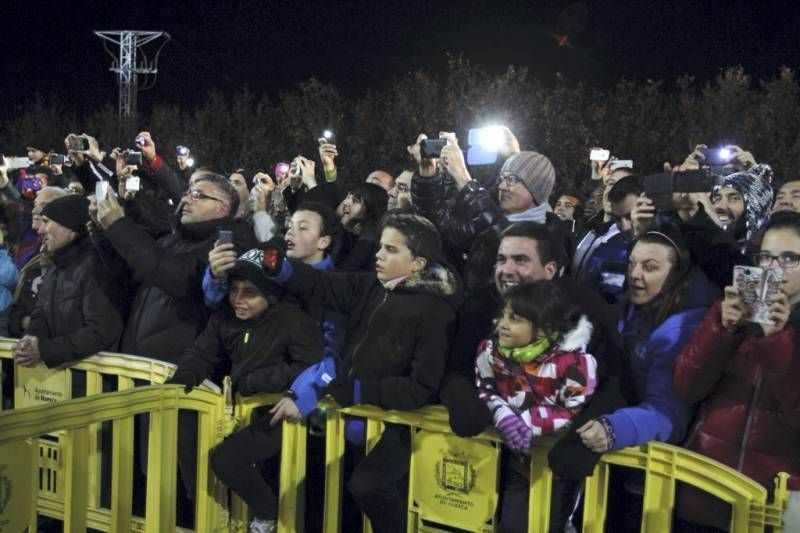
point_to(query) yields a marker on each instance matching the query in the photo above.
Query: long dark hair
(375, 200)
(674, 294)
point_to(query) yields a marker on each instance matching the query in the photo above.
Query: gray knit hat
(535, 171)
(755, 186)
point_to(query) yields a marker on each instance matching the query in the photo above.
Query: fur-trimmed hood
(578, 337)
(437, 279)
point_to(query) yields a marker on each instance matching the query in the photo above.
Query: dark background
(270, 46)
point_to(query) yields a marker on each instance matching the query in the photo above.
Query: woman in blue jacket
(667, 299)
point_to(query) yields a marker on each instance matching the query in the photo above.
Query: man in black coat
(77, 313)
(168, 311)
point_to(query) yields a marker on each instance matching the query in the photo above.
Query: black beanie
(248, 266)
(70, 211)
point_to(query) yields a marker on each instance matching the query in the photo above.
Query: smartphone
(598, 154)
(133, 158)
(620, 163)
(78, 144)
(225, 236)
(57, 159)
(327, 137)
(757, 286)
(716, 157)
(101, 190)
(431, 148)
(134, 183)
(14, 163)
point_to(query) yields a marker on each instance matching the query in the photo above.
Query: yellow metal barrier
(459, 497)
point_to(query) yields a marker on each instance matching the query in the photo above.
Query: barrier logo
(5, 489)
(454, 473)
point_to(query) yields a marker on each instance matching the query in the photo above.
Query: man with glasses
(400, 193)
(168, 311)
(474, 223)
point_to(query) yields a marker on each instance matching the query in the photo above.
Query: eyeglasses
(785, 260)
(511, 180)
(196, 194)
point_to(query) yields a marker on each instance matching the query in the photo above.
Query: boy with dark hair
(400, 320)
(268, 344)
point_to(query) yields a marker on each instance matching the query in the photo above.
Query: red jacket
(749, 416)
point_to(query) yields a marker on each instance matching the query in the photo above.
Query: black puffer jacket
(266, 353)
(75, 315)
(168, 311)
(397, 340)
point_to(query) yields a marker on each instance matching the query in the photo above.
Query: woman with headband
(666, 301)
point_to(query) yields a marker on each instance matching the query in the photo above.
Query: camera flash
(190, 162)
(724, 153)
(491, 138)
(327, 134)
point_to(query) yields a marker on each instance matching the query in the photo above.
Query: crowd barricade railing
(75, 418)
(454, 481)
(43, 386)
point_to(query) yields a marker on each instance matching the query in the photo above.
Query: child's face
(514, 331)
(394, 258)
(246, 300)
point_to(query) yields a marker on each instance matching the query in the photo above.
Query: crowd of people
(607, 315)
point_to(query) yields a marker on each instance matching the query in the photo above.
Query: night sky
(269, 46)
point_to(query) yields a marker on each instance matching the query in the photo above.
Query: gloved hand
(274, 253)
(516, 434)
(468, 413)
(343, 390)
(185, 378)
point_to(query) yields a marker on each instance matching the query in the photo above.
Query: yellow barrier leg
(161, 471)
(210, 498)
(122, 475)
(540, 492)
(76, 448)
(374, 432)
(292, 478)
(659, 492)
(595, 499)
(94, 385)
(334, 459)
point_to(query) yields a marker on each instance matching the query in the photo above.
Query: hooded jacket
(749, 416)
(266, 353)
(548, 391)
(75, 315)
(168, 311)
(397, 339)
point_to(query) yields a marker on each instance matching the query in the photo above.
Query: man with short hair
(600, 259)
(788, 197)
(382, 178)
(168, 312)
(76, 313)
(36, 263)
(400, 193)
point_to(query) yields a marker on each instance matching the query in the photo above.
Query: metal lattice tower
(128, 68)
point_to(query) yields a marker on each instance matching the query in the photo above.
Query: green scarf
(527, 353)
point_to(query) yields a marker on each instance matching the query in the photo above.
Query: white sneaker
(263, 526)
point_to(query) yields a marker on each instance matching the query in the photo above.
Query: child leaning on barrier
(535, 375)
(400, 319)
(268, 344)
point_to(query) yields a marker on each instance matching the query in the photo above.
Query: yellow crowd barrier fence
(452, 481)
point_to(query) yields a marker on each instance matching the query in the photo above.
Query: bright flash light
(327, 134)
(724, 153)
(190, 162)
(491, 138)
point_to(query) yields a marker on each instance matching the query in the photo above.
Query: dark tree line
(649, 122)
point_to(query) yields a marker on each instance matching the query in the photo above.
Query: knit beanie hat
(248, 266)
(755, 186)
(70, 211)
(535, 171)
